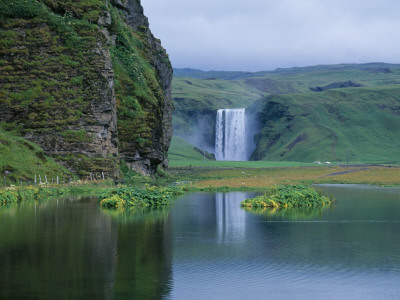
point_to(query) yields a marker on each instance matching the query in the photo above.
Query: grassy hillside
(182, 151)
(20, 160)
(355, 124)
(197, 100)
(344, 114)
(212, 93)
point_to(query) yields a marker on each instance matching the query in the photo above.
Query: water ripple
(329, 221)
(351, 252)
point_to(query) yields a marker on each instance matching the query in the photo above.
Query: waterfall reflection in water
(347, 252)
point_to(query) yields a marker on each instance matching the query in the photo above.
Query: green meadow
(183, 154)
(190, 167)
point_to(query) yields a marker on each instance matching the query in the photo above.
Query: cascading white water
(230, 134)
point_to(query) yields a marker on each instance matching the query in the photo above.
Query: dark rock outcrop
(336, 85)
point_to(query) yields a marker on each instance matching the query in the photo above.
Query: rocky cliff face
(86, 84)
(149, 149)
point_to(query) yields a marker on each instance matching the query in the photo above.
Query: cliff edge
(87, 81)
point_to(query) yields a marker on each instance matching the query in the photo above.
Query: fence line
(94, 176)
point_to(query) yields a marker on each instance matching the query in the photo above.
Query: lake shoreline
(228, 179)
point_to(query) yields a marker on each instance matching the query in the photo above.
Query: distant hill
(355, 124)
(361, 117)
(375, 67)
(199, 74)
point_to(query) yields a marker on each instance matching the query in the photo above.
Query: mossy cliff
(87, 81)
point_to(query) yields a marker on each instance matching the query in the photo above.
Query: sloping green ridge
(20, 160)
(193, 97)
(182, 151)
(355, 124)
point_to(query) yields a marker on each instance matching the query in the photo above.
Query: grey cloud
(266, 34)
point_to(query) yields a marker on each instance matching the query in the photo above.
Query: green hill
(303, 113)
(197, 100)
(20, 160)
(355, 124)
(182, 151)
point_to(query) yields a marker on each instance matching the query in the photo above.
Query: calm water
(204, 247)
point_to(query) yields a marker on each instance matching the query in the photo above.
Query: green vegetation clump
(8, 196)
(16, 194)
(288, 196)
(75, 135)
(128, 196)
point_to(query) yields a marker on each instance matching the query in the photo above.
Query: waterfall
(230, 134)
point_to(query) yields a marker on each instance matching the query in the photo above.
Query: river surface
(204, 247)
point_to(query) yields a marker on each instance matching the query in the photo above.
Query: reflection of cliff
(143, 269)
(69, 249)
(57, 248)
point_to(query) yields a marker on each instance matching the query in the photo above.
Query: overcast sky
(255, 35)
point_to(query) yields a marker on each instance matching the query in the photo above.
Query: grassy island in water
(288, 196)
(129, 196)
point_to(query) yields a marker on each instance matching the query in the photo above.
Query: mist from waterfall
(230, 135)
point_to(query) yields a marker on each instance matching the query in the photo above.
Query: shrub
(289, 196)
(128, 196)
(8, 195)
